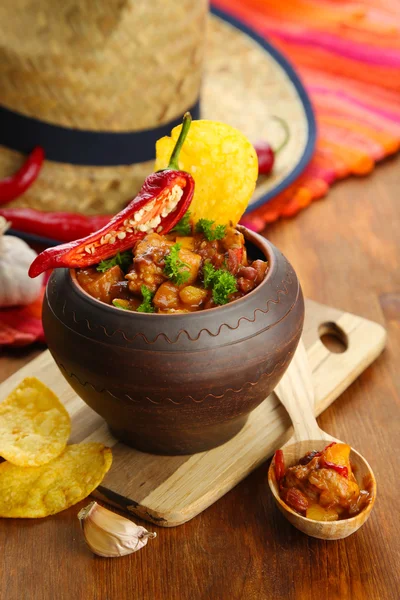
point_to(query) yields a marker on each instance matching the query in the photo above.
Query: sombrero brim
(247, 82)
(263, 84)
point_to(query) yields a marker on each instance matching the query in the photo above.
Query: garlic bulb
(109, 534)
(16, 287)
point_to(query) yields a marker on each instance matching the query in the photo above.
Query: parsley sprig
(209, 274)
(177, 270)
(205, 226)
(222, 283)
(146, 306)
(183, 227)
(122, 259)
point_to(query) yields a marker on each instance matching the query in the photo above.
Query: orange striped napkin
(348, 55)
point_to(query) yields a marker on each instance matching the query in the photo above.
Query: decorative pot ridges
(183, 400)
(146, 330)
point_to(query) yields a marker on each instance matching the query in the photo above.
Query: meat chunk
(335, 489)
(120, 290)
(154, 246)
(323, 486)
(233, 239)
(102, 286)
(148, 264)
(207, 250)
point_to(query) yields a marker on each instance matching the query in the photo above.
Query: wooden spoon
(296, 393)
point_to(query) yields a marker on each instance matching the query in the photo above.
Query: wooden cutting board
(169, 490)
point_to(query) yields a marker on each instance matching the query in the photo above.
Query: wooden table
(346, 250)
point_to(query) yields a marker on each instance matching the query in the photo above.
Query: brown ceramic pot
(177, 384)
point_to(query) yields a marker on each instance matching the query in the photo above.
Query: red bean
(245, 285)
(248, 273)
(261, 268)
(233, 262)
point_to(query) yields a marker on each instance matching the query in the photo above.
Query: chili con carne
(322, 485)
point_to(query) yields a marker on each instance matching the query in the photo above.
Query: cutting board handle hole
(333, 337)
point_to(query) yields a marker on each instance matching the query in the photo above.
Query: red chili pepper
(329, 446)
(133, 222)
(61, 226)
(342, 470)
(279, 465)
(266, 155)
(15, 185)
(322, 451)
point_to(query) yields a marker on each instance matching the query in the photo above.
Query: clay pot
(177, 384)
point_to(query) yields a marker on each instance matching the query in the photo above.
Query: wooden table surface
(346, 250)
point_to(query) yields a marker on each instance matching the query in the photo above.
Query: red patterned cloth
(22, 325)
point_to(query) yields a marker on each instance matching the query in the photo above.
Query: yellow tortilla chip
(223, 164)
(34, 425)
(33, 492)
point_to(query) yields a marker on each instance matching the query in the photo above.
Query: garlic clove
(108, 534)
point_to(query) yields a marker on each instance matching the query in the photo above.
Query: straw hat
(96, 83)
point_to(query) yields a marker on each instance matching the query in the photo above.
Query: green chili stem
(286, 129)
(173, 161)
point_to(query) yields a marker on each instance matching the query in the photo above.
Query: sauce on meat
(147, 267)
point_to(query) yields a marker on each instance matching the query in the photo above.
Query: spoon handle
(296, 393)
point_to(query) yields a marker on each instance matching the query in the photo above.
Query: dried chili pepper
(15, 185)
(341, 469)
(279, 465)
(320, 453)
(329, 446)
(295, 499)
(61, 226)
(266, 154)
(163, 200)
(309, 457)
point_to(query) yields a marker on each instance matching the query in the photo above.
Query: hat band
(83, 147)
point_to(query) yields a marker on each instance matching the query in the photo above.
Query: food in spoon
(204, 268)
(322, 486)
